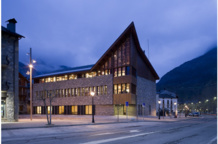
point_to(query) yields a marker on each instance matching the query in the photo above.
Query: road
(202, 130)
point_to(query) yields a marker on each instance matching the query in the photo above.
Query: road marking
(119, 138)
(133, 131)
(211, 141)
(102, 134)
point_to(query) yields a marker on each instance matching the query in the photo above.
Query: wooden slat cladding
(122, 98)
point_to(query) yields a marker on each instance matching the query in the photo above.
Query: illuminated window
(51, 79)
(69, 92)
(72, 92)
(49, 109)
(123, 71)
(86, 91)
(105, 89)
(66, 92)
(88, 109)
(54, 78)
(101, 89)
(94, 74)
(87, 75)
(72, 76)
(115, 89)
(61, 109)
(62, 95)
(74, 110)
(115, 72)
(127, 88)
(119, 56)
(77, 91)
(98, 90)
(106, 72)
(106, 65)
(99, 73)
(119, 71)
(102, 72)
(83, 91)
(94, 89)
(42, 80)
(123, 88)
(39, 110)
(119, 88)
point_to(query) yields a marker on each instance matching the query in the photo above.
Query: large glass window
(49, 109)
(66, 92)
(127, 88)
(39, 110)
(127, 70)
(105, 89)
(74, 110)
(119, 71)
(77, 91)
(72, 76)
(86, 91)
(88, 109)
(123, 88)
(101, 88)
(115, 89)
(115, 72)
(123, 71)
(83, 91)
(119, 88)
(69, 92)
(61, 109)
(72, 91)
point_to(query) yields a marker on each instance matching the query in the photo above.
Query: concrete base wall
(104, 110)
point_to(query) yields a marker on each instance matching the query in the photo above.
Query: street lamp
(92, 94)
(159, 108)
(176, 110)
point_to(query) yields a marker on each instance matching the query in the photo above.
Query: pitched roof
(12, 33)
(166, 94)
(129, 30)
(66, 71)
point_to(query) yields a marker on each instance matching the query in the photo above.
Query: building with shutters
(122, 74)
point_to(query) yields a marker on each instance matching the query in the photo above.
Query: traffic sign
(127, 103)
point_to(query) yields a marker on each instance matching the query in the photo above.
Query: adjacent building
(168, 101)
(10, 71)
(122, 74)
(24, 95)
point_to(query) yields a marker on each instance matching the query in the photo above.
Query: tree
(48, 96)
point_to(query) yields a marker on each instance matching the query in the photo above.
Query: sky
(78, 32)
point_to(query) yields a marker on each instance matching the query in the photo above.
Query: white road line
(133, 131)
(114, 139)
(211, 141)
(102, 134)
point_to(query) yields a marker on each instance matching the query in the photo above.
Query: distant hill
(194, 80)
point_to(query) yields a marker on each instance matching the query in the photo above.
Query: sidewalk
(40, 121)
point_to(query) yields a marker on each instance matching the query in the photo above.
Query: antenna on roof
(148, 48)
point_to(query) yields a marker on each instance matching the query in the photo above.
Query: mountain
(24, 68)
(194, 80)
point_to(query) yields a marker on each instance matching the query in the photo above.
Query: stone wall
(10, 79)
(77, 83)
(146, 93)
(104, 110)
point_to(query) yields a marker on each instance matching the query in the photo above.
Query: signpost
(127, 104)
(143, 106)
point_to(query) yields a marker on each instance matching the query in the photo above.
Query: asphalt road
(202, 130)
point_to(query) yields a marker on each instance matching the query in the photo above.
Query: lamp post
(175, 110)
(159, 108)
(92, 94)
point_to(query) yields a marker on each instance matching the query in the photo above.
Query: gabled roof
(66, 71)
(11, 33)
(129, 30)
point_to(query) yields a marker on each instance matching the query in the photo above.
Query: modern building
(122, 74)
(168, 101)
(10, 70)
(24, 95)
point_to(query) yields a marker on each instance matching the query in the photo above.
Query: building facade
(123, 74)
(10, 70)
(24, 95)
(168, 102)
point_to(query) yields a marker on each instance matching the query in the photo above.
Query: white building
(168, 101)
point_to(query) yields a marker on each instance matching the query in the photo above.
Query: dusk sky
(78, 32)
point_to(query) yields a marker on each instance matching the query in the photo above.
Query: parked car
(196, 114)
(190, 114)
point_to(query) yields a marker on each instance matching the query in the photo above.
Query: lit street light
(92, 94)
(159, 108)
(176, 110)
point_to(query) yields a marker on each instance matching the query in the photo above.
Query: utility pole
(31, 66)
